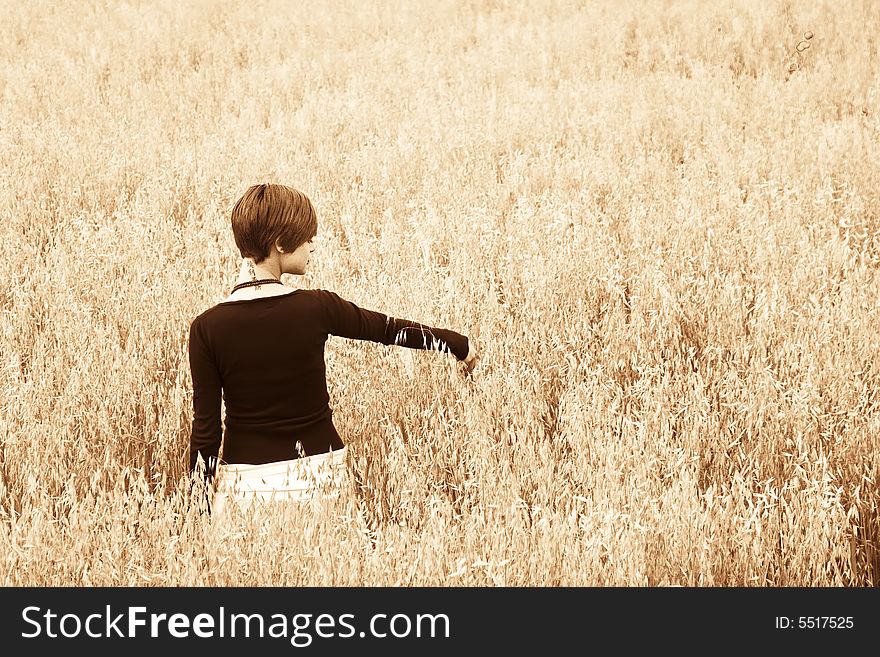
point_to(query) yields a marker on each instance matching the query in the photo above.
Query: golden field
(659, 221)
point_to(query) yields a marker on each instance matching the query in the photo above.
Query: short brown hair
(270, 213)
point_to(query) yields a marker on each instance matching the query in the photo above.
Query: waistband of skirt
(332, 458)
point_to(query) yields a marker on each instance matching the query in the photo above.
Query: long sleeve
(206, 428)
(346, 320)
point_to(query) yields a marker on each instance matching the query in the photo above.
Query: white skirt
(298, 480)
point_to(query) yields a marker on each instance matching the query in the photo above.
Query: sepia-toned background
(659, 221)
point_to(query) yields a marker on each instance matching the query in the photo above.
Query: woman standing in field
(262, 350)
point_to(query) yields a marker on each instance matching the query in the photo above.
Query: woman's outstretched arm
(206, 428)
(346, 320)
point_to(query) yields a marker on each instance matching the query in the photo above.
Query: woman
(262, 349)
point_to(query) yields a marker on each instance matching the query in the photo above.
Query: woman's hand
(472, 359)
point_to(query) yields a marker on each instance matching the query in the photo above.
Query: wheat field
(659, 221)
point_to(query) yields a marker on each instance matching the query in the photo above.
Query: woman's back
(267, 356)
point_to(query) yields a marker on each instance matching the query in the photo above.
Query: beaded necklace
(262, 281)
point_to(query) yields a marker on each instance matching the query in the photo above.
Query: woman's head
(272, 214)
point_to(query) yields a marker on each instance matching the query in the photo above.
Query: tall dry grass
(660, 222)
